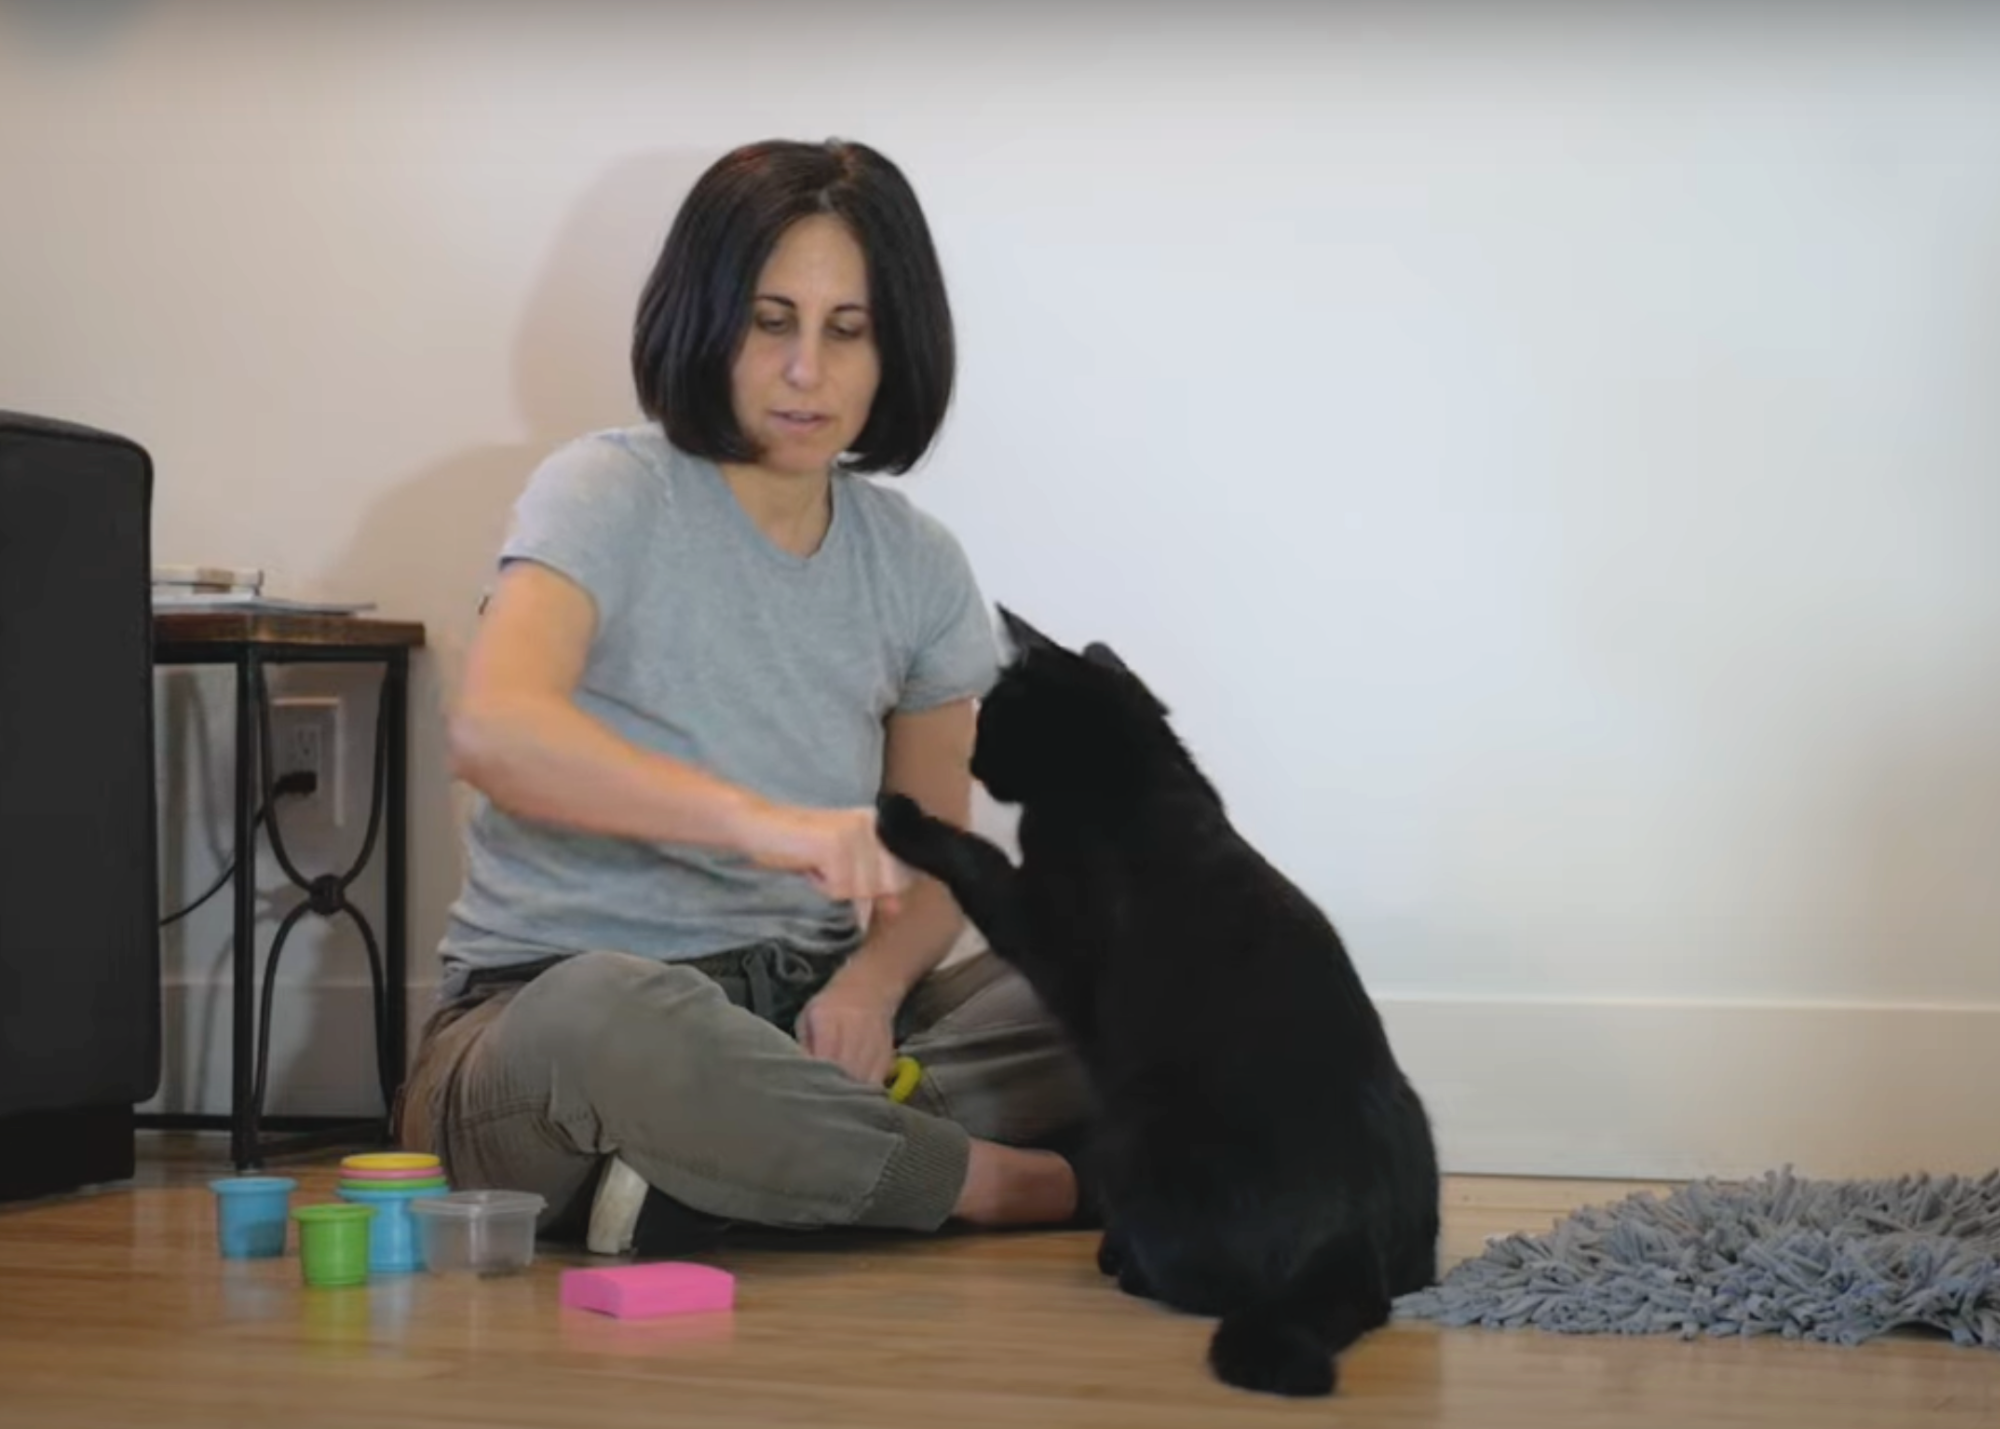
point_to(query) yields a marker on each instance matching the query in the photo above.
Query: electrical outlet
(307, 734)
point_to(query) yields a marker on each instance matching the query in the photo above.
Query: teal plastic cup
(250, 1215)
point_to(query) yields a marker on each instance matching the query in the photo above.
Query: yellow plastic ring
(908, 1074)
(390, 1161)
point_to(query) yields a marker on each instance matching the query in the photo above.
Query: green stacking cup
(333, 1243)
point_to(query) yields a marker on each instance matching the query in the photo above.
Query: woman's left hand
(852, 1025)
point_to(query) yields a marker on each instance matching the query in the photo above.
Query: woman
(681, 965)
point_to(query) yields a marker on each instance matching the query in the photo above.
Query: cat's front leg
(1111, 1253)
(1116, 1258)
(979, 875)
(987, 887)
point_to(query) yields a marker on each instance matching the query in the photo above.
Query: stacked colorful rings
(387, 1182)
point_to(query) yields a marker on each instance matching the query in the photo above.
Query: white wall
(1555, 468)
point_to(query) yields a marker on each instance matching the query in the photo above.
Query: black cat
(1260, 1156)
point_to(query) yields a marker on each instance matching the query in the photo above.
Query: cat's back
(1195, 928)
(1206, 883)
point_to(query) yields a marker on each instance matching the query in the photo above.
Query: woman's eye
(850, 334)
(772, 324)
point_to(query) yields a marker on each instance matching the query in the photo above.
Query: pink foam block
(637, 1292)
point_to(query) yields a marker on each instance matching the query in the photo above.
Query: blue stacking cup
(251, 1213)
(393, 1247)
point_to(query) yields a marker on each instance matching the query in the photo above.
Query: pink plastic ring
(414, 1173)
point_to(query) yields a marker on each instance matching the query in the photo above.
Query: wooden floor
(115, 1310)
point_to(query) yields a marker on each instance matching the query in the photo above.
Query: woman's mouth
(801, 421)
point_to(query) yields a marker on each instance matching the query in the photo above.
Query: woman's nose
(803, 364)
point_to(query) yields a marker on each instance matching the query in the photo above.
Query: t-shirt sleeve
(956, 654)
(580, 514)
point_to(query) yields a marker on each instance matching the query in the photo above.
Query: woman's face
(805, 376)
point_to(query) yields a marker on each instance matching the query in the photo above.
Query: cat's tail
(1286, 1343)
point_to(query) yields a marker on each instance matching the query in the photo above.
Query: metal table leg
(243, 1147)
(395, 883)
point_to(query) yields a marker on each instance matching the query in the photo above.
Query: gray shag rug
(1835, 1261)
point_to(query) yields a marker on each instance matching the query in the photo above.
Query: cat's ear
(1098, 653)
(1105, 658)
(1023, 636)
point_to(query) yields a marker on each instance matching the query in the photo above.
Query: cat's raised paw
(902, 825)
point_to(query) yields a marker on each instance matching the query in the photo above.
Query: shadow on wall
(571, 376)
(429, 546)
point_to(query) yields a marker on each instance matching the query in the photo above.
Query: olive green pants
(690, 1074)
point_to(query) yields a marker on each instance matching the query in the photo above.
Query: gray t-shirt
(715, 646)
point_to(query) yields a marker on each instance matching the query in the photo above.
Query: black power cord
(299, 783)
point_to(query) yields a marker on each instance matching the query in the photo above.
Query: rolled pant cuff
(921, 1182)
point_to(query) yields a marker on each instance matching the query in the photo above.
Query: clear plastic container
(478, 1232)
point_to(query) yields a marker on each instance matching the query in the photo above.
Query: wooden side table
(249, 643)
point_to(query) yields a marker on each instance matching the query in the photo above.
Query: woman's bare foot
(1007, 1186)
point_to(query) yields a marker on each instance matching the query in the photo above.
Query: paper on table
(252, 603)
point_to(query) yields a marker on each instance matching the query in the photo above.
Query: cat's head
(1065, 722)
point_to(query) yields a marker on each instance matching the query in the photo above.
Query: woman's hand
(852, 1025)
(835, 848)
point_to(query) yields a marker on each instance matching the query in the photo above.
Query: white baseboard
(322, 1060)
(1674, 1090)
(1619, 1089)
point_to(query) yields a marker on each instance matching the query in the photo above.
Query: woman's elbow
(476, 745)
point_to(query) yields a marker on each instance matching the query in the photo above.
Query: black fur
(1262, 1158)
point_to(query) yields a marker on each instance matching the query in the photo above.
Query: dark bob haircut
(696, 306)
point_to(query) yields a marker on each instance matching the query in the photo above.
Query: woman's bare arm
(519, 737)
